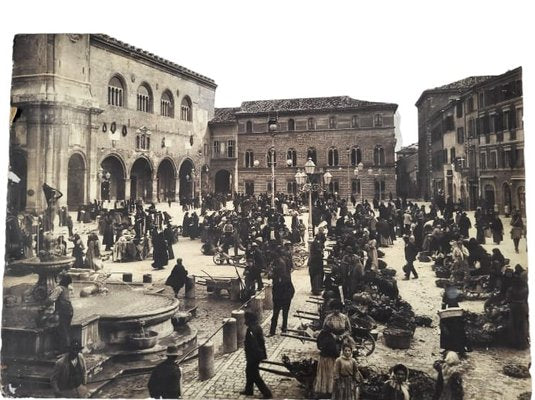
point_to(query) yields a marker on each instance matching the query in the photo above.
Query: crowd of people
(353, 236)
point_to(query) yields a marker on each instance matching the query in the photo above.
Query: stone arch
(76, 181)
(141, 173)
(112, 177)
(186, 179)
(124, 87)
(166, 175)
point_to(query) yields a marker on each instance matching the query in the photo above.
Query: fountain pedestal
(47, 271)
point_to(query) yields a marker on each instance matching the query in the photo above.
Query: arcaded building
(337, 133)
(97, 118)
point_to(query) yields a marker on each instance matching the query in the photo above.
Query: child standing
(347, 377)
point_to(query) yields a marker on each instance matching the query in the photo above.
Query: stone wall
(60, 87)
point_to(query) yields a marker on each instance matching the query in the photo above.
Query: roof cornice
(158, 62)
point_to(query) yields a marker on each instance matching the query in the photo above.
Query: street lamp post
(378, 173)
(304, 180)
(358, 168)
(348, 150)
(272, 126)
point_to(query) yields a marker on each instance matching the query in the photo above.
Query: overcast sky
(375, 50)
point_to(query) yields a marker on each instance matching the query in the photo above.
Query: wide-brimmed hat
(172, 350)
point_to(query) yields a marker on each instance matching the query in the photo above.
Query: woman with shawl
(397, 387)
(347, 376)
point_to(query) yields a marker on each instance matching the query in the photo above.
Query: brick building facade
(338, 133)
(477, 144)
(97, 118)
(407, 171)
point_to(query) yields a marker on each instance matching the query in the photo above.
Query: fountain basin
(143, 340)
(99, 321)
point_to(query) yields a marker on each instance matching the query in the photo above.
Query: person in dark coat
(169, 237)
(60, 297)
(159, 255)
(496, 227)
(315, 266)
(255, 351)
(68, 222)
(452, 329)
(283, 292)
(164, 381)
(464, 225)
(185, 224)
(518, 324)
(177, 278)
(108, 233)
(69, 376)
(78, 251)
(194, 226)
(411, 252)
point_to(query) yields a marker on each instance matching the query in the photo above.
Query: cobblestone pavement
(229, 378)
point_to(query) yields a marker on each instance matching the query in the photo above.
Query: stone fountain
(106, 323)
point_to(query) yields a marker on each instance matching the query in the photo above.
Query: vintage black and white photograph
(290, 200)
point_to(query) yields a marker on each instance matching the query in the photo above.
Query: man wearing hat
(69, 376)
(164, 381)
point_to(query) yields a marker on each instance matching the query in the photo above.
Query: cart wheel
(218, 258)
(367, 345)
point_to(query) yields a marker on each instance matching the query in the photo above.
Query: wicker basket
(397, 338)
(451, 312)
(444, 274)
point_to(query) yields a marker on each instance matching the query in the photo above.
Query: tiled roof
(465, 83)
(307, 104)
(413, 148)
(226, 114)
(457, 87)
(132, 49)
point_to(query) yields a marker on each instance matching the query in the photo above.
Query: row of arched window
(311, 123)
(333, 158)
(145, 100)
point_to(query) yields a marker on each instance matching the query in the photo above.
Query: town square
(161, 243)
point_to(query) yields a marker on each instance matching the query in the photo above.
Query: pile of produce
(488, 328)
(303, 370)
(423, 320)
(442, 283)
(516, 371)
(421, 385)
(442, 272)
(388, 272)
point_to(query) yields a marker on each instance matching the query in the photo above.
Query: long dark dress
(160, 255)
(169, 237)
(177, 278)
(315, 267)
(517, 297)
